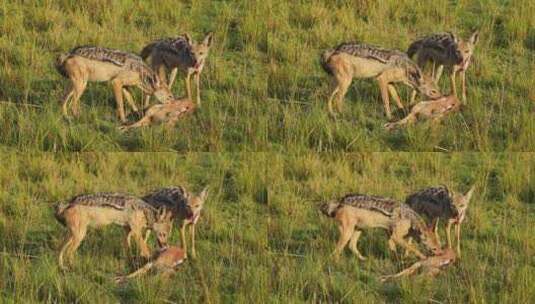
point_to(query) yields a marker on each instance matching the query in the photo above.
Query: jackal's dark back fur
(378, 203)
(433, 202)
(442, 42)
(169, 197)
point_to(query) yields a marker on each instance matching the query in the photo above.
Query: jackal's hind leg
(79, 88)
(345, 234)
(69, 91)
(353, 244)
(343, 85)
(330, 101)
(78, 234)
(64, 248)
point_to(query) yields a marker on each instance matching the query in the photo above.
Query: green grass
(498, 114)
(232, 264)
(498, 245)
(234, 115)
(263, 88)
(261, 237)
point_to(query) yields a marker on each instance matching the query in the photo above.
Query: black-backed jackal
(102, 209)
(182, 53)
(430, 109)
(167, 113)
(185, 207)
(438, 202)
(355, 212)
(122, 69)
(357, 60)
(446, 49)
(166, 260)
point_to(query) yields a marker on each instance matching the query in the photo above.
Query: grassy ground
(234, 113)
(232, 236)
(261, 238)
(501, 87)
(263, 88)
(498, 244)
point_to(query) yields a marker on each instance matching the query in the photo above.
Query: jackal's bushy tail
(147, 50)
(60, 64)
(59, 208)
(414, 48)
(324, 60)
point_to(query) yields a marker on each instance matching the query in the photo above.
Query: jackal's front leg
(395, 95)
(458, 233)
(463, 85)
(192, 232)
(138, 237)
(130, 100)
(118, 91)
(183, 239)
(383, 86)
(188, 84)
(198, 88)
(172, 77)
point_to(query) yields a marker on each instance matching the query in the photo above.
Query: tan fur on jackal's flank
(167, 113)
(356, 212)
(103, 209)
(358, 60)
(122, 69)
(429, 109)
(166, 260)
(179, 53)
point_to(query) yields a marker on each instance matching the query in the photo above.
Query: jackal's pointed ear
(204, 194)
(188, 38)
(474, 38)
(208, 39)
